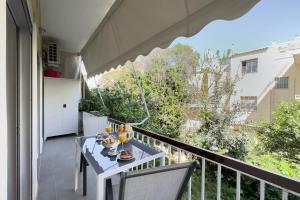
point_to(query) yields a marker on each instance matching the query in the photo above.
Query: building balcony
(218, 177)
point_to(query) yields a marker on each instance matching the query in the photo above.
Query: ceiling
(72, 22)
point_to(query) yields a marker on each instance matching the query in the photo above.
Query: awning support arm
(99, 92)
(143, 98)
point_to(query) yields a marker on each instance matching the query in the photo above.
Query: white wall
(253, 84)
(3, 113)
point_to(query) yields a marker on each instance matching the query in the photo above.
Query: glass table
(105, 166)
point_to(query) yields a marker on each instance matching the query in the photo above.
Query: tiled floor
(56, 176)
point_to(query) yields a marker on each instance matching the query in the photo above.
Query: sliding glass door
(19, 103)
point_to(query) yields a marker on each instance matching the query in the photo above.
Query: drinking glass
(123, 138)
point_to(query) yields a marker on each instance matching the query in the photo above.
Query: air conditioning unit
(52, 53)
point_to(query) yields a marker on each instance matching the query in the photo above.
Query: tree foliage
(164, 91)
(93, 103)
(216, 112)
(276, 164)
(164, 78)
(282, 134)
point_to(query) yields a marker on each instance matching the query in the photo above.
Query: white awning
(135, 27)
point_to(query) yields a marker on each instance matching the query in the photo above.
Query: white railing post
(190, 182)
(148, 143)
(170, 154)
(262, 190)
(203, 180)
(142, 139)
(154, 145)
(284, 195)
(219, 176)
(238, 186)
(162, 159)
(179, 155)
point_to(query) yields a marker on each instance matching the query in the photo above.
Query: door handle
(64, 105)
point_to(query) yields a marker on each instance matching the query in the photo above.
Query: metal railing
(176, 152)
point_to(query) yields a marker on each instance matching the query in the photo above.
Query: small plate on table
(112, 152)
(125, 155)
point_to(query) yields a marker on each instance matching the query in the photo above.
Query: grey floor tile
(56, 176)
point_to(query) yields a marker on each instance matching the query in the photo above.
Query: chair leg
(109, 190)
(81, 161)
(84, 165)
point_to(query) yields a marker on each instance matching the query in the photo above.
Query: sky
(268, 21)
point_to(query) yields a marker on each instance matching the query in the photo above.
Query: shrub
(282, 134)
(275, 164)
(93, 103)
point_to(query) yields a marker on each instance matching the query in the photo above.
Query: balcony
(103, 35)
(212, 180)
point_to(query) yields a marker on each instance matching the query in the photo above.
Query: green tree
(166, 84)
(216, 111)
(164, 75)
(165, 94)
(123, 104)
(120, 102)
(93, 103)
(282, 134)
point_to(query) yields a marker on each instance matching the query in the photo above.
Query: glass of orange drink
(108, 129)
(123, 138)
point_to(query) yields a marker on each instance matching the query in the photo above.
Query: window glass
(248, 103)
(282, 82)
(249, 66)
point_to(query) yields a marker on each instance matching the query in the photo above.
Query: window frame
(246, 106)
(282, 82)
(248, 67)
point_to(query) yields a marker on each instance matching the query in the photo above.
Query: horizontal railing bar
(247, 169)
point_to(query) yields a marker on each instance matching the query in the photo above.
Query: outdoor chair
(162, 183)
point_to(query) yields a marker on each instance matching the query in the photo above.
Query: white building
(267, 76)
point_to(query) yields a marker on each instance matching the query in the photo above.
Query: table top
(97, 156)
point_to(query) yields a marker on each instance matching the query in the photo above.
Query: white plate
(113, 153)
(119, 158)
